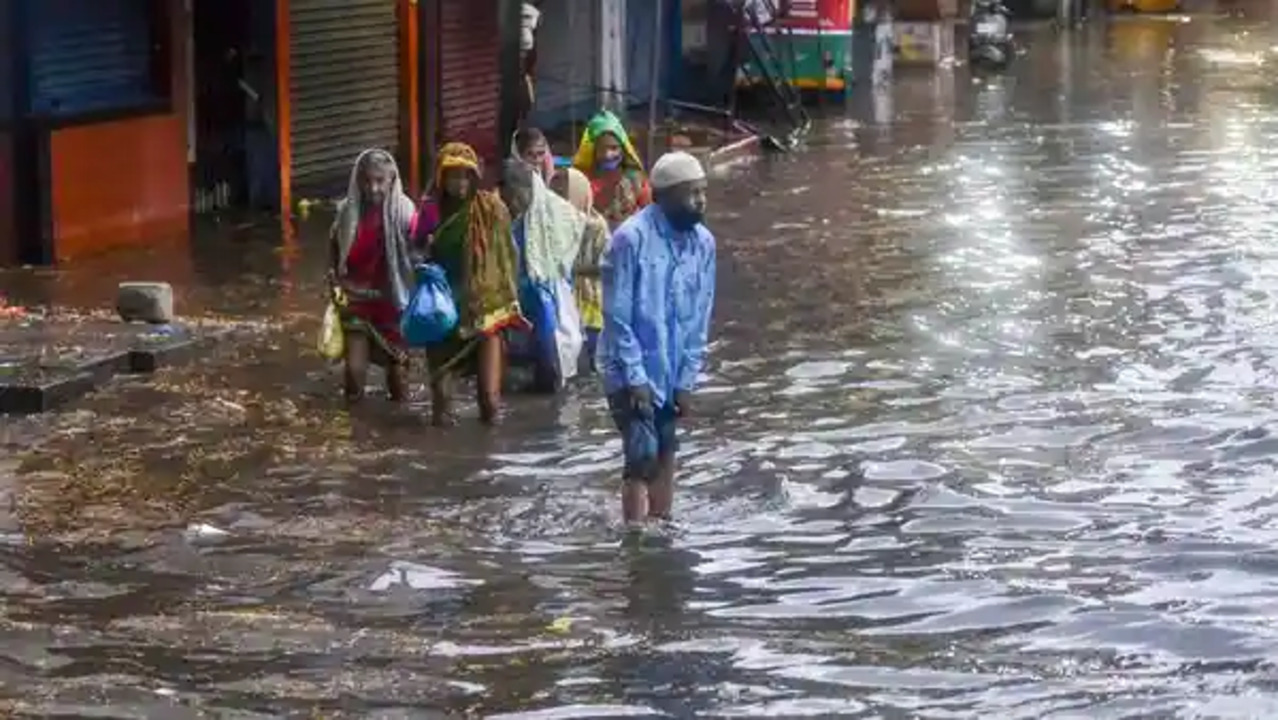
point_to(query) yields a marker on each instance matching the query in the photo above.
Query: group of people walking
(601, 265)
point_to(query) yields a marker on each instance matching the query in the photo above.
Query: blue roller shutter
(90, 56)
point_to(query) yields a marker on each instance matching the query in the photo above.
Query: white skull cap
(675, 168)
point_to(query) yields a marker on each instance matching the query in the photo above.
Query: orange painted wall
(124, 182)
(119, 183)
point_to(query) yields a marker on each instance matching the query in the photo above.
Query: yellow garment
(587, 285)
(455, 155)
(601, 124)
(332, 340)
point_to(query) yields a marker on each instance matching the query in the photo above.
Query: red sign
(817, 14)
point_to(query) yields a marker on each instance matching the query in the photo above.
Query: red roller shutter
(470, 76)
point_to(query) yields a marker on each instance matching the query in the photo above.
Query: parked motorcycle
(989, 42)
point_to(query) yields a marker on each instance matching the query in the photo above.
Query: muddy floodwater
(988, 432)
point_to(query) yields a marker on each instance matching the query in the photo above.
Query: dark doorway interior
(236, 153)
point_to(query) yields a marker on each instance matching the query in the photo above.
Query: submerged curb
(67, 384)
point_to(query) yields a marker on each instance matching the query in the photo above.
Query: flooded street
(987, 432)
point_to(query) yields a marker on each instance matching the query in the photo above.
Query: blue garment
(537, 301)
(646, 437)
(658, 293)
(431, 315)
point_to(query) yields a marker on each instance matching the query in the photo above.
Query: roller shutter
(89, 55)
(344, 87)
(470, 75)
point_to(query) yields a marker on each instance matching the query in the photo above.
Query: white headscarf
(397, 219)
(529, 19)
(552, 233)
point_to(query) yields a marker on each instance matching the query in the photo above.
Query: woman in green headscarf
(616, 173)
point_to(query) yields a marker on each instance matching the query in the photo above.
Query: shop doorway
(236, 155)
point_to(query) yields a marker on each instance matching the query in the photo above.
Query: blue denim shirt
(658, 293)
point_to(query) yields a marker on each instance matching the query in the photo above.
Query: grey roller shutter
(344, 87)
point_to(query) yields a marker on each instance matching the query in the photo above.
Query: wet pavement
(987, 433)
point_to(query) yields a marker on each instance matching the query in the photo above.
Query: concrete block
(150, 302)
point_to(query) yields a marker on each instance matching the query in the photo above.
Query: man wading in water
(658, 292)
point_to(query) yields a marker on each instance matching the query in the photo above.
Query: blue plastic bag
(536, 345)
(541, 311)
(431, 315)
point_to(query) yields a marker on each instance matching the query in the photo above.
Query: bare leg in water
(441, 405)
(491, 362)
(357, 361)
(650, 500)
(396, 372)
(661, 490)
(396, 380)
(634, 501)
(360, 354)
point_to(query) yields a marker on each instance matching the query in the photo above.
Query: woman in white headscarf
(548, 235)
(573, 185)
(372, 271)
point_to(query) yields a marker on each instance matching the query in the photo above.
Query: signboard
(923, 43)
(818, 15)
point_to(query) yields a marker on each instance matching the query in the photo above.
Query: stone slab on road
(149, 302)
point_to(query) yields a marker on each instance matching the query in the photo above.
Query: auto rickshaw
(1140, 40)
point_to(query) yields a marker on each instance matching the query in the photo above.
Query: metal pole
(653, 100)
(572, 69)
(734, 58)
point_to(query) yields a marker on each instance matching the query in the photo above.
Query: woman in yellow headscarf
(616, 173)
(467, 232)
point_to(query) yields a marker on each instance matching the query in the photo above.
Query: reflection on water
(986, 434)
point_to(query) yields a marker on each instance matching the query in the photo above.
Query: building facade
(95, 126)
(120, 119)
